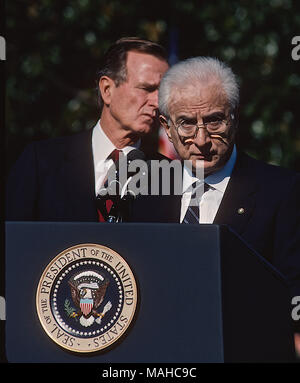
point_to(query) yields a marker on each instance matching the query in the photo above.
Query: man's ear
(164, 123)
(106, 86)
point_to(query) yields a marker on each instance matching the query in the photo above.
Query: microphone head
(133, 155)
(136, 154)
(114, 185)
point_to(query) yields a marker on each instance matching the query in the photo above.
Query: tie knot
(193, 211)
(196, 185)
(115, 155)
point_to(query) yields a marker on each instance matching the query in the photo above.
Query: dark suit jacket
(53, 180)
(270, 224)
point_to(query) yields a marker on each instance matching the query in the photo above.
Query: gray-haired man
(198, 101)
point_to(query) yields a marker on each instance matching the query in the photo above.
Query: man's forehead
(193, 96)
(145, 64)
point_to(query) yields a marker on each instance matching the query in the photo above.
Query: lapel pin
(241, 210)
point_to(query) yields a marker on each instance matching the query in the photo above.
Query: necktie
(115, 154)
(193, 212)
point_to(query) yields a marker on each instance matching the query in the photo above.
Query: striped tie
(193, 212)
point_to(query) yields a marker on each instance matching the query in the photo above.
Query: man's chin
(210, 169)
(206, 166)
(143, 129)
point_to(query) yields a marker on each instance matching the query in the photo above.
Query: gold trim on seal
(96, 325)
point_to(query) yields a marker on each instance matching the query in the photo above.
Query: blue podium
(203, 294)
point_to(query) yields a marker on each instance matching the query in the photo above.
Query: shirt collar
(102, 146)
(217, 180)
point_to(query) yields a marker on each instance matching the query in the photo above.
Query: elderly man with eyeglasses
(198, 103)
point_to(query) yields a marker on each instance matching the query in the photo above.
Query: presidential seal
(86, 298)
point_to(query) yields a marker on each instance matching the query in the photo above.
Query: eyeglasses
(188, 129)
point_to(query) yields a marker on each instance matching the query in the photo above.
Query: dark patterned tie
(193, 213)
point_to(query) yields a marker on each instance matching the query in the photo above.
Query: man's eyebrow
(148, 85)
(214, 115)
(192, 116)
(186, 117)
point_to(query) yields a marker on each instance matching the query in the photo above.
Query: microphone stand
(121, 197)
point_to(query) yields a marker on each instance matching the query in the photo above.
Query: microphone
(118, 188)
(119, 174)
(127, 189)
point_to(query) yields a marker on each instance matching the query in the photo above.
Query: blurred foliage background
(54, 50)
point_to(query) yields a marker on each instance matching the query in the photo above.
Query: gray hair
(200, 69)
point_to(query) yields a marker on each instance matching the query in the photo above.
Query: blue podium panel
(257, 324)
(178, 273)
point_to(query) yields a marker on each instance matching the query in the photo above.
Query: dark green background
(54, 49)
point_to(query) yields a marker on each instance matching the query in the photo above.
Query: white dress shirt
(102, 147)
(211, 199)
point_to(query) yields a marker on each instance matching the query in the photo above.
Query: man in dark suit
(198, 100)
(58, 179)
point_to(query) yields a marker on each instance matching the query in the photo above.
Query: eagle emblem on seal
(88, 290)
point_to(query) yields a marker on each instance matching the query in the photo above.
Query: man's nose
(153, 99)
(202, 137)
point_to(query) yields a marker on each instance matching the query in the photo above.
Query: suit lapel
(79, 178)
(238, 202)
(79, 181)
(170, 208)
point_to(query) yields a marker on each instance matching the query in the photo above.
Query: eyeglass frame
(198, 126)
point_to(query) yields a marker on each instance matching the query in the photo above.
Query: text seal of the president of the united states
(86, 298)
